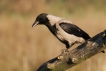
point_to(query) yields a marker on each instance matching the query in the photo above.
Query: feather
(73, 29)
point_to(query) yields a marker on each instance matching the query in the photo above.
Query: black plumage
(73, 29)
(67, 32)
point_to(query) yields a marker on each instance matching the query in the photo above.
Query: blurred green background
(23, 48)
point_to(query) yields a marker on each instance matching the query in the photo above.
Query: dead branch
(70, 58)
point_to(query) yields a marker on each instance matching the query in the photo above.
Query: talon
(64, 50)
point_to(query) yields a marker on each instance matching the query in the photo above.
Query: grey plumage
(67, 32)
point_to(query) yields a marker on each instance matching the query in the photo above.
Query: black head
(41, 19)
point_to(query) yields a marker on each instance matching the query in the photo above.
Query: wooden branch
(69, 58)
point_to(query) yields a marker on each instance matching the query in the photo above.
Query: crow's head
(41, 19)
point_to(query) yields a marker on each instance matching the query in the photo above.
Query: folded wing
(73, 29)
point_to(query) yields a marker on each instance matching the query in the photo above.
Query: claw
(64, 50)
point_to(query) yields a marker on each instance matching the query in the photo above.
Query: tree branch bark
(69, 58)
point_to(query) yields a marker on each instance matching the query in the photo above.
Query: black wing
(73, 29)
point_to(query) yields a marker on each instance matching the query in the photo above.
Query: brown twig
(70, 58)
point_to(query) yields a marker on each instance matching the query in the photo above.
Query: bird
(64, 30)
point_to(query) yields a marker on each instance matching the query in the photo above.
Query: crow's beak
(35, 23)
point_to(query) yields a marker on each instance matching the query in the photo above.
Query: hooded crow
(64, 30)
(67, 32)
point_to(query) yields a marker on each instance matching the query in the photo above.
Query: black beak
(35, 23)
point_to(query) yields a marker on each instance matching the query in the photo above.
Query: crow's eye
(41, 19)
